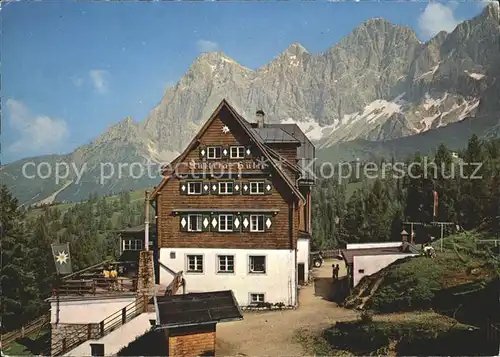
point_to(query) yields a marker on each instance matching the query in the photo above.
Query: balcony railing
(96, 286)
(98, 330)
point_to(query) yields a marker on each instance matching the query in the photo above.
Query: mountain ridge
(379, 83)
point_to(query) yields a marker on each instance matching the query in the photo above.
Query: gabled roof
(254, 137)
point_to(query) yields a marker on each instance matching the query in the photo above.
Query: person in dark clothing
(335, 272)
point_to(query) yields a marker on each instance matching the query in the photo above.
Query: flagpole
(58, 282)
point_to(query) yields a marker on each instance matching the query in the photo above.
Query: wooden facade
(232, 206)
(195, 184)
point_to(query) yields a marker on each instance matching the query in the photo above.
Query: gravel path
(271, 333)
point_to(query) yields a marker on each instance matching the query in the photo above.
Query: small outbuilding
(189, 321)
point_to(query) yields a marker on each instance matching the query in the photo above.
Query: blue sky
(72, 69)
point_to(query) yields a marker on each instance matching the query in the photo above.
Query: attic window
(214, 152)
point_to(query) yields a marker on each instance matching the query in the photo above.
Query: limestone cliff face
(379, 83)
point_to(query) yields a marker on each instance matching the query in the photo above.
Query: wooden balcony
(96, 286)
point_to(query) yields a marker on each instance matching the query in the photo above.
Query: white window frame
(255, 298)
(198, 222)
(213, 149)
(191, 184)
(226, 184)
(251, 267)
(132, 244)
(255, 227)
(198, 263)
(238, 150)
(226, 228)
(225, 261)
(254, 187)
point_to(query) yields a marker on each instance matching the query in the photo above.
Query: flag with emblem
(62, 258)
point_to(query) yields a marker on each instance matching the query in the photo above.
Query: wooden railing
(99, 330)
(176, 283)
(29, 328)
(96, 286)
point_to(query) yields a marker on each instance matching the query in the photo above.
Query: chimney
(259, 115)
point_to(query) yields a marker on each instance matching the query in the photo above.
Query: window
(226, 264)
(256, 223)
(195, 263)
(132, 244)
(257, 264)
(225, 188)
(237, 152)
(256, 298)
(225, 223)
(194, 188)
(194, 223)
(172, 255)
(361, 271)
(214, 152)
(256, 188)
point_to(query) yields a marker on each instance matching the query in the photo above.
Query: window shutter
(183, 188)
(236, 223)
(245, 188)
(205, 188)
(203, 152)
(225, 152)
(245, 222)
(268, 222)
(214, 188)
(236, 187)
(248, 152)
(205, 223)
(268, 187)
(214, 222)
(183, 219)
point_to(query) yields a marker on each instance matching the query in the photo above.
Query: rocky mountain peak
(217, 58)
(295, 49)
(492, 11)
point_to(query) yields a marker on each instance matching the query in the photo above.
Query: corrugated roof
(275, 135)
(198, 308)
(305, 152)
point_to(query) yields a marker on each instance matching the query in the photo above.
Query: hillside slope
(460, 276)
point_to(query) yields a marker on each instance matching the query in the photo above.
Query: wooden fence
(29, 328)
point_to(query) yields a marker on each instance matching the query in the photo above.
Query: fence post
(64, 344)
(124, 315)
(101, 328)
(89, 331)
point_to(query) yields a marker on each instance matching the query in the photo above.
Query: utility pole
(412, 232)
(146, 220)
(442, 224)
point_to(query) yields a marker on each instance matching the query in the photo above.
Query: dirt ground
(271, 333)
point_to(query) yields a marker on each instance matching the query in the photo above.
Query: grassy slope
(414, 283)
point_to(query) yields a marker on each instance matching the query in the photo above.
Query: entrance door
(302, 273)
